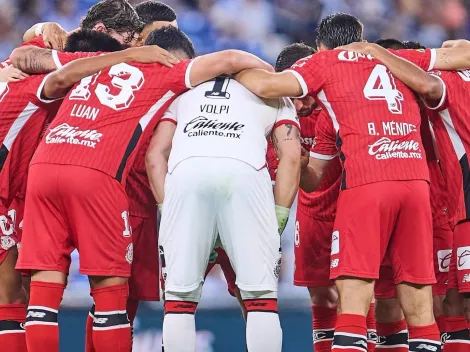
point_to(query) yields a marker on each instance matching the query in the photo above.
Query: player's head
(87, 40)
(155, 15)
(289, 56)
(115, 17)
(173, 40)
(390, 43)
(410, 44)
(338, 29)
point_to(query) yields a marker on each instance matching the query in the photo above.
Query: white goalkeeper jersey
(223, 119)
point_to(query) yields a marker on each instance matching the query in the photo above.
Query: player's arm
(11, 74)
(312, 174)
(207, 67)
(53, 34)
(34, 60)
(270, 85)
(57, 84)
(156, 160)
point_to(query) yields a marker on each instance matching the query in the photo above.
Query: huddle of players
(362, 107)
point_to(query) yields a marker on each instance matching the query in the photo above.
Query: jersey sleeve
(35, 86)
(62, 58)
(310, 72)
(179, 76)
(324, 145)
(425, 59)
(286, 114)
(170, 113)
(443, 103)
(36, 41)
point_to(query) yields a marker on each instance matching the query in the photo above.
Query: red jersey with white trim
(376, 116)
(106, 116)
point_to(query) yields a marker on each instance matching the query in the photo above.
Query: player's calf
(456, 337)
(392, 330)
(324, 301)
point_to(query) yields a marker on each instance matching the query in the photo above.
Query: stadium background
(262, 27)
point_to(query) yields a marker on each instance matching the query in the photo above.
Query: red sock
(392, 337)
(350, 333)
(424, 338)
(323, 326)
(457, 338)
(89, 330)
(42, 328)
(111, 327)
(12, 333)
(371, 329)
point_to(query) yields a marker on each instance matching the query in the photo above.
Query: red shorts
(75, 207)
(392, 217)
(312, 251)
(460, 264)
(224, 262)
(11, 226)
(144, 280)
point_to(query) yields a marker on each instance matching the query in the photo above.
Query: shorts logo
(297, 234)
(443, 259)
(334, 263)
(463, 258)
(466, 278)
(130, 253)
(7, 242)
(277, 268)
(335, 242)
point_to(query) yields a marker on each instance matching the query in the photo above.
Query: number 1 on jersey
(127, 228)
(381, 86)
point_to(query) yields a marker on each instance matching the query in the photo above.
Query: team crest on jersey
(130, 253)
(7, 242)
(277, 267)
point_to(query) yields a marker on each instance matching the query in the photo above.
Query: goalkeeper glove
(160, 206)
(282, 215)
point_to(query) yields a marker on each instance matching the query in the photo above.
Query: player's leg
(312, 270)
(45, 252)
(392, 330)
(186, 239)
(411, 252)
(248, 231)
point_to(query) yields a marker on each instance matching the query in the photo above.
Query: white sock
(263, 332)
(179, 333)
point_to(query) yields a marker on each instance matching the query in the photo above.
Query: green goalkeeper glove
(282, 215)
(160, 207)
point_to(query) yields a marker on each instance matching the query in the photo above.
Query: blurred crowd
(261, 26)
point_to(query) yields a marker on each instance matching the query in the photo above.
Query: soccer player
(444, 93)
(225, 190)
(154, 15)
(79, 170)
(24, 117)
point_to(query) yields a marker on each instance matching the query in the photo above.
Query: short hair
(150, 11)
(339, 29)
(291, 54)
(410, 44)
(173, 40)
(87, 40)
(117, 15)
(390, 43)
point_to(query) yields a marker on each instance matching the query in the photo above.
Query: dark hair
(410, 44)
(87, 40)
(291, 54)
(339, 29)
(150, 11)
(390, 43)
(173, 40)
(117, 15)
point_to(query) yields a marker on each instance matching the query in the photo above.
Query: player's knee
(325, 296)
(259, 301)
(388, 310)
(182, 302)
(355, 295)
(102, 281)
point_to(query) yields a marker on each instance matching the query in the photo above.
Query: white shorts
(205, 196)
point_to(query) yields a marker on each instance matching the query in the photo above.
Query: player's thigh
(248, 229)
(46, 243)
(312, 251)
(187, 229)
(145, 273)
(442, 247)
(97, 211)
(411, 246)
(364, 221)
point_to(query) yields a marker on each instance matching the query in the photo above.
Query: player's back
(376, 116)
(104, 117)
(221, 118)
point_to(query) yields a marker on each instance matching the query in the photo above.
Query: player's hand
(304, 157)
(360, 47)
(54, 36)
(458, 43)
(11, 74)
(150, 54)
(282, 216)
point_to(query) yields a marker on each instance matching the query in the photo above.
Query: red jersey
(142, 204)
(375, 115)
(104, 118)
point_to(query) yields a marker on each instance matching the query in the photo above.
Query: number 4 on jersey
(381, 86)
